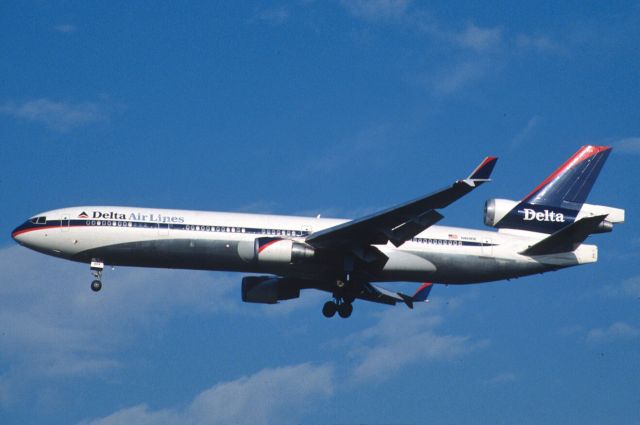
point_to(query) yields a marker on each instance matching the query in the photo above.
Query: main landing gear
(342, 302)
(96, 270)
(340, 305)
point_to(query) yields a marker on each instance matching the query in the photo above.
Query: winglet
(483, 171)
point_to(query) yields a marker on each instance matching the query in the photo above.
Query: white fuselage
(225, 241)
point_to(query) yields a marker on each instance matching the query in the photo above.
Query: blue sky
(308, 107)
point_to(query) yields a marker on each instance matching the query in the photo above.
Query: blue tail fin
(569, 186)
(556, 202)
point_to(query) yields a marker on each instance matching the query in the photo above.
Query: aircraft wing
(402, 222)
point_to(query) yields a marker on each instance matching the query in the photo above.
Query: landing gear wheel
(96, 270)
(345, 310)
(96, 285)
(329, 309)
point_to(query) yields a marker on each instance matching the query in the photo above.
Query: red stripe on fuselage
(32, 229)
(583, 154)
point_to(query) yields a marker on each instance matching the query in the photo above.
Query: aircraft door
(163, 229)
(64, 223)
(487, 247)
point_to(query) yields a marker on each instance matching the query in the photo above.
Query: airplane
(543, 232)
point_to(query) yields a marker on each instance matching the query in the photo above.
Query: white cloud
(570, 330)
(617, 331)
(628, 288)
(526, 132)
(461, 75)
(377, 10)
(479, 39)
(372, 145)
(501, 378)
(631, 287)
(538, 43)
(60, 116)
(479, 55)
(630, 145)
(53, 325)
(275, 15)
(65, 28)
(402, 337)
(269, 396)
(478, 52)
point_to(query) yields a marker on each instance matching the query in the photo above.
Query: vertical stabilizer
(570, 184)
(557, 201)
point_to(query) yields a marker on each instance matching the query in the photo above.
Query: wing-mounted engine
(275, 250)
(269, 289)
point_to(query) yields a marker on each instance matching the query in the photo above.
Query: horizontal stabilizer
(378, 294)
(566, 239)
(422, 294)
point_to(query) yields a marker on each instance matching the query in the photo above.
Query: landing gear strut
(96, 270)
(342, 304)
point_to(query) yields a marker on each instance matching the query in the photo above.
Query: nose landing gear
(96, 270)
(96, 285)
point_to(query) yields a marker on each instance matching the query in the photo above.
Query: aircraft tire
(329, 309)
(96, 285)
(345, 310)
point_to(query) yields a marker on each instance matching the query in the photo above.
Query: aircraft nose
(17, 232)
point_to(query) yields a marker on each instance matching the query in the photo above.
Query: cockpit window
(39, 220)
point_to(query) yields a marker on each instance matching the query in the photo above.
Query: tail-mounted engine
(504, 213)
(496, 209)
(268, 289)
(275, 250)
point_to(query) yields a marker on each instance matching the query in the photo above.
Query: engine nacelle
(496, 209)
(537, 219)
(275, 250)
(268, 289)
(614, 215)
